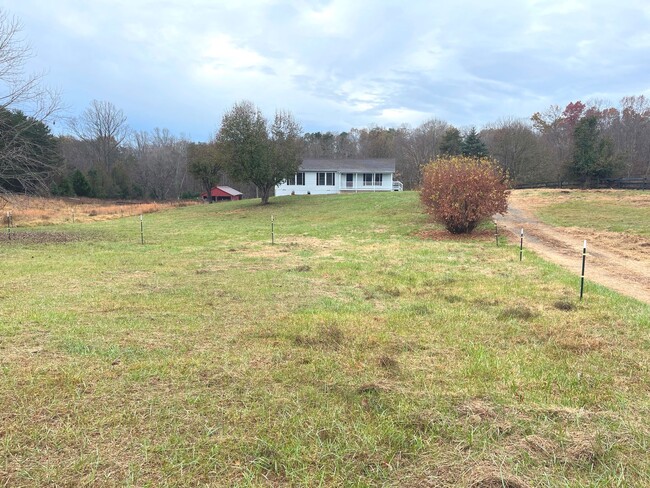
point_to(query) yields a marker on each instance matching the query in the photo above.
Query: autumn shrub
(460, 192)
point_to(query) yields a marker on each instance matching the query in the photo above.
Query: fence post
(582, 276)
(521, 245)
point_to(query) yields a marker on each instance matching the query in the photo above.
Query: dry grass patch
(41, 237)
(34, 211)
(487, 476)
(389, 363)
(480, 235)
(328, 336)
(477, 409)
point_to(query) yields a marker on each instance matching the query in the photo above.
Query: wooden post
(496, 232)
(141, 230)
(521, 245)
(272, 231)
(9, 225)
(582, 276)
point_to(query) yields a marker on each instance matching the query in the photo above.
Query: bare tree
(514, 144)
(633, 134)
(160, 163)
(418, 147)
(103, 126)
(28, 154)
(557, 138)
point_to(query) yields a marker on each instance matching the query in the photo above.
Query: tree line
(100, 156)
(582, 142)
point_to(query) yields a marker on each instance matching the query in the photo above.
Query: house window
(378, 179)
(323, 179)
(297, 179)
(367, 179)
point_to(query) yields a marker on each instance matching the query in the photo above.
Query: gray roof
(349, 165)
(229, 190)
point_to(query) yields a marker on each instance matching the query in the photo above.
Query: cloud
(336, 63)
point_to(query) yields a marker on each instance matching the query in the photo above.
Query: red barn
(222, 193)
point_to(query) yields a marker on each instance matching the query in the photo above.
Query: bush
(460, 192)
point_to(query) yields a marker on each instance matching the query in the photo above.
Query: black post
(582, 277)
(521, 245)
(141, 230)
(272, 231)
(496, 232)
(9, 225)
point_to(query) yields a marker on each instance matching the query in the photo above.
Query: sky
(336, 64)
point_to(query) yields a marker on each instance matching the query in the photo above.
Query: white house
(326, 176)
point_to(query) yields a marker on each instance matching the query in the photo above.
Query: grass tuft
(564, 305)
(519, 312)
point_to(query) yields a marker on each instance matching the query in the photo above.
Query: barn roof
(349, 165)
(229, 190)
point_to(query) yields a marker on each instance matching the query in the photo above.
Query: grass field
(29, 211)
(351, 352)
(624, 211)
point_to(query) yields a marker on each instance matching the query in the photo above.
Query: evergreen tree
(80, 184)
(451, 143)
(29, 153)
(593, 155)
(62, 189)
(473, 146)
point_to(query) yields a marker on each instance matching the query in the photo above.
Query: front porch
(364, 182)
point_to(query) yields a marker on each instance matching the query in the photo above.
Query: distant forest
(101, 157)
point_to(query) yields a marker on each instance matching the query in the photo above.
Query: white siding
(312, 188)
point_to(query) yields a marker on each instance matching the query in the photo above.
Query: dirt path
(618, 261)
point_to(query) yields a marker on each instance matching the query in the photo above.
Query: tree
(377, 142)
(257, 152)
(161, 163)
(461, 191)
(103, 126)
(593, 155)
(473, 146)
(80, 184)
(205, 164)
(513, 143)
(27, 150)
(451, 143)
(417, 147)
(29, 153)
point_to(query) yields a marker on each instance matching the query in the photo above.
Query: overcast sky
(337, 64)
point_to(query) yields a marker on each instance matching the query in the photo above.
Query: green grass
(351, 352)
(620, 211)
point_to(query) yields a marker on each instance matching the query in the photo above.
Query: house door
(349, 180)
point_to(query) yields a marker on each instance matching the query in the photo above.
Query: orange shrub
(460, 192)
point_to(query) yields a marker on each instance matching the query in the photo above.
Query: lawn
(623, 211)
(351, 352)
